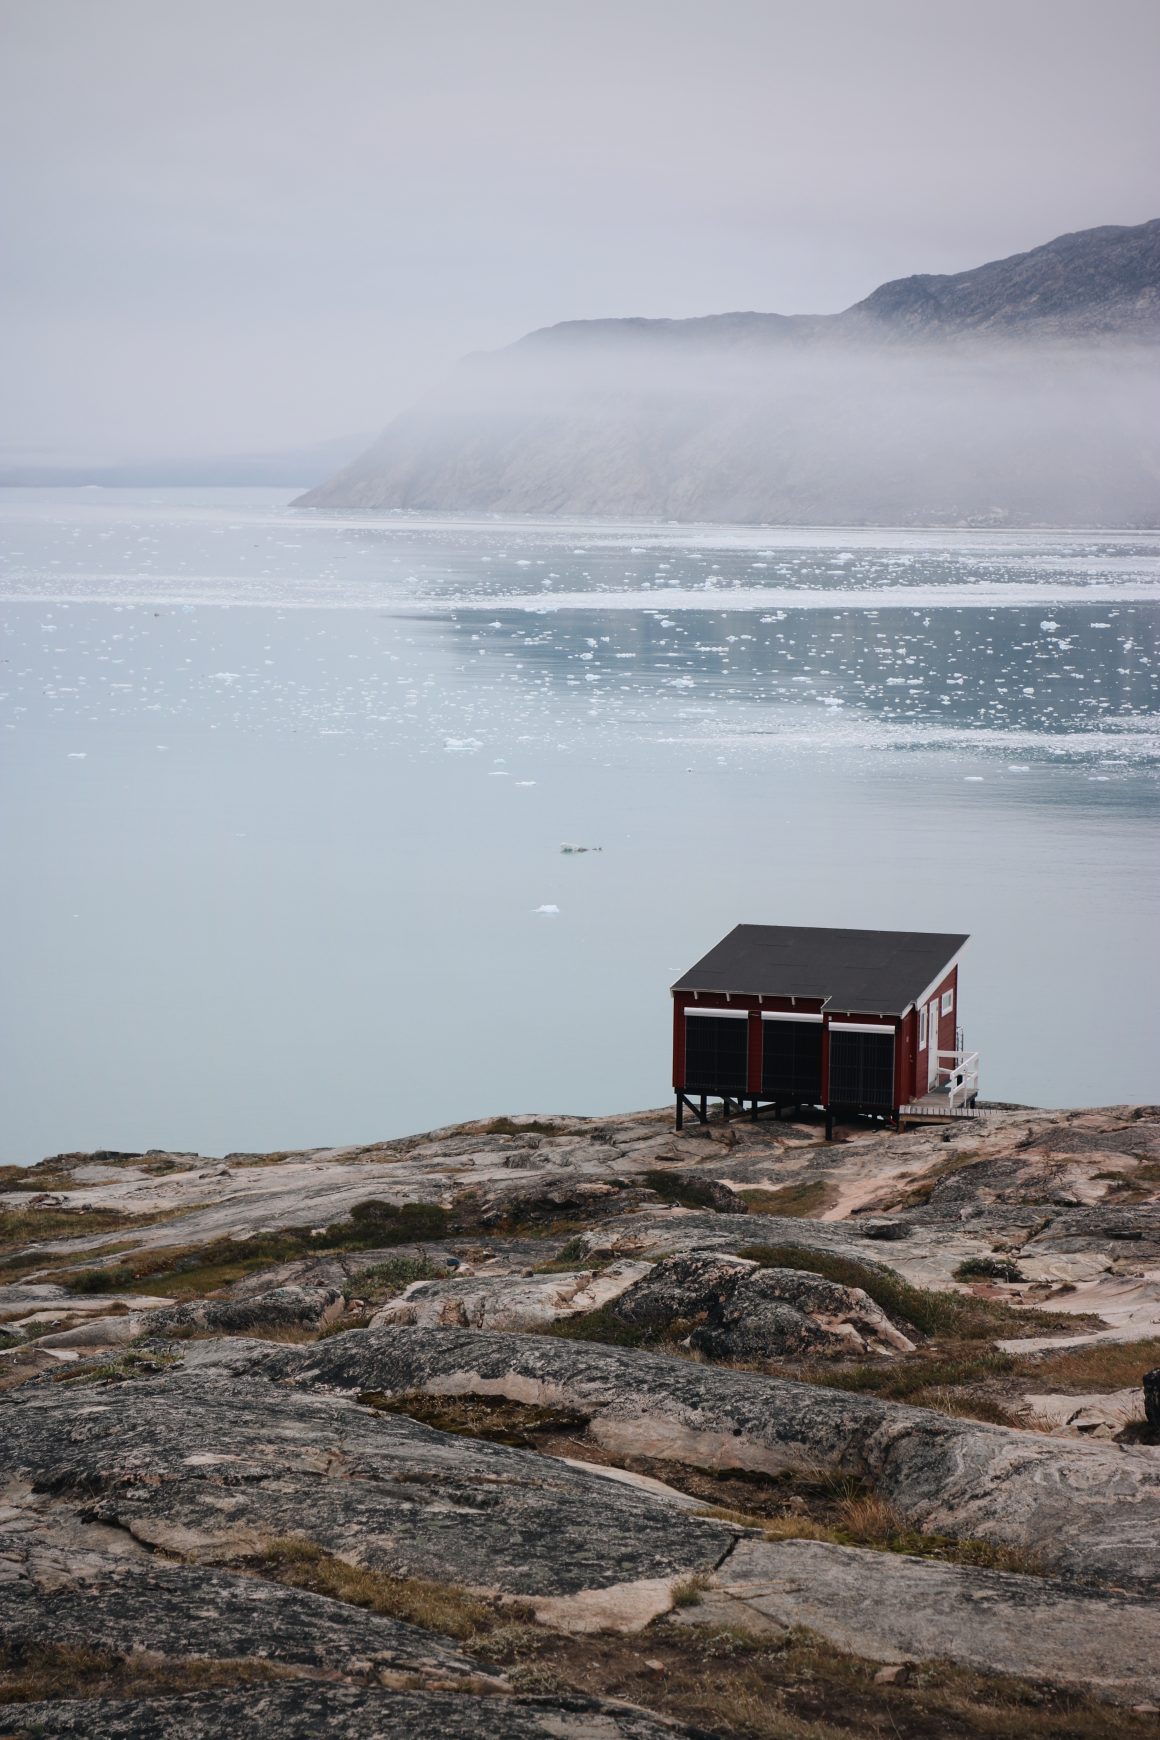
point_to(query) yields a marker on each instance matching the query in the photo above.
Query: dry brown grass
(964, 1379)
(26, 1226)
(1101, 1366)
(690, 1591)
(805, 1197)
(730, 1683)
(721, 1679)
(523, 1424)
(46, 1671)
(31, 1178)
(439, 1607)
(865, 1519)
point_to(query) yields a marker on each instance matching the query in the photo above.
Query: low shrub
(386, 1280)
(679, 1188)
(989, 1269)
(958, 1316)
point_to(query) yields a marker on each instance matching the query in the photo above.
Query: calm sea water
(286, 798)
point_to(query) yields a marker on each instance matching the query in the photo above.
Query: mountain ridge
(1018, 391)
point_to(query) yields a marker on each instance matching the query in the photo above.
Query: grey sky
(246, 223)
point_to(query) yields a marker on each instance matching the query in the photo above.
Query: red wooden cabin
(853, 1021)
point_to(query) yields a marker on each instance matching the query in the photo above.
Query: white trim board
(717, 1014)
(788, 1015)
(885, 1027)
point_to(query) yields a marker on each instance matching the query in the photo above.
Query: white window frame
(692, 1014)
(922, 1028)
(948, 1002)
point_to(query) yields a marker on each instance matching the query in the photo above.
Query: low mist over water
(761, 425)
(294, 789)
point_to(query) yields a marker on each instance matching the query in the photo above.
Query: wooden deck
(938, 1103)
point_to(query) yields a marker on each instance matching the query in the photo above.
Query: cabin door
(932, 1044)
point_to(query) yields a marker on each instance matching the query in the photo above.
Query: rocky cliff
(1022, 391)
(585, 1428)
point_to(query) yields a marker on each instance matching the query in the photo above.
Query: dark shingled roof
(865, 972)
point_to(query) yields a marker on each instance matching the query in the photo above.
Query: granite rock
(301, 1711)
(277, 1308)
(1085, 1510)
(738, 1310)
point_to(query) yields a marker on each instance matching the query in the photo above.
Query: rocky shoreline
(583, 1427)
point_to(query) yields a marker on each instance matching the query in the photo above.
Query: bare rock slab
(508, 1301)
(304, 1712)
(276, 1308)
(892, 1607)
(211, 1467)
(1086, 1510)
(180, 1612)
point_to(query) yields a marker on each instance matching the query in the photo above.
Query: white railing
(961, 1077)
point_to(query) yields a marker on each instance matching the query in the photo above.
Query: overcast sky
(239, 224)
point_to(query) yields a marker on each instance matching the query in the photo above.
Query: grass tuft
(604, 1325)
(808, 1198)
(689, 1592)
(25, 1226)
(509, 1127)
(865, 1519)
(493, 1418)
(43, 1671)
(439, 1607)
(198, 1269)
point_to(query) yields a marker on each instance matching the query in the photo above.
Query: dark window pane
(716, 1055)
(862, 1069)
(791, 1060)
